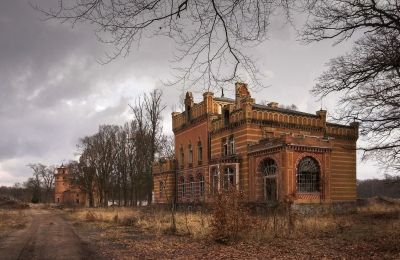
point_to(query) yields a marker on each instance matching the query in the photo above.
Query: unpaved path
(47, 236)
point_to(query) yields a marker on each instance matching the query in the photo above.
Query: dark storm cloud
(53, 91)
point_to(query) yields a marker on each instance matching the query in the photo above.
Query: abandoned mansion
(268, 152)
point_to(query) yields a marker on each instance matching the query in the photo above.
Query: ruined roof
(283, 110)
(224, 99)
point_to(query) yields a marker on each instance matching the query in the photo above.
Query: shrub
(230, 218)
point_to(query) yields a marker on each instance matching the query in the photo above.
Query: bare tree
(368, 78)
(35, 183)
(100, 153)
(167, 147)
(211, 36)
(47, 177)
(153, 108)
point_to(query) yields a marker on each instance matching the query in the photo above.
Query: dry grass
(259, 228)
(154, 221)
(11, 220)
(124, 233)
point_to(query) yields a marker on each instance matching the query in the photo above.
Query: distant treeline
(389, 187)
(17, 192)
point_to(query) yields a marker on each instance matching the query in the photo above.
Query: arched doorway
(268, 169)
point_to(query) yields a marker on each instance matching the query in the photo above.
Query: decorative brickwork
(237, 136)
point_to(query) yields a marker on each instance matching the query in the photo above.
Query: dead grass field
(11, 220)
(373, 232)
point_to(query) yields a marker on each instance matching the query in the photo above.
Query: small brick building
(67, 193)
(268, 152)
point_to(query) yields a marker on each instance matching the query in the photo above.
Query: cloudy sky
(53, 91)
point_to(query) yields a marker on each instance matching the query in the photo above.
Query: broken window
(224, 147)
(214, 181)
(182, 155)
(190, 154)
(199, 152)
(231, 146)
(182, 187)
(229, 177)
(308, 175)
(202, 186)
(268, 170)
(226, 116)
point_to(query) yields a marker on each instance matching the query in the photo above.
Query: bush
(230, 217)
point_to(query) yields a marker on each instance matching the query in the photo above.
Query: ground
(123, 233)
(43, 234)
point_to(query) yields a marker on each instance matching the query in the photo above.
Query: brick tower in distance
(66, 192)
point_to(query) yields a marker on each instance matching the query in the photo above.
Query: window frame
(229, 177)
(308, 175)
(190, 149)
(199, 152)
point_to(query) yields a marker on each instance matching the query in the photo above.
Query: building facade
(67, 193)
(268, 152)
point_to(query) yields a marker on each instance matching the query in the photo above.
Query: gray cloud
(53, 91)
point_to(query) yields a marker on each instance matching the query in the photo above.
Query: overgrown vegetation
(144, 232)
(11, 220)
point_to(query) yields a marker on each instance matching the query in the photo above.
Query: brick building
(67, 193)
(268, 152)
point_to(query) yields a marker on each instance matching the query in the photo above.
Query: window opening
(182, 155)
(231, 146)
(191, 186)
(202, 185)
(190, 154)
(224, 146)
(229, 177)
(226, 117)
(308, 175)
(214, 182)
(268, 171)
(183, 187)
(199, 152)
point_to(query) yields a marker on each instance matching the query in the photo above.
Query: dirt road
(46, 236)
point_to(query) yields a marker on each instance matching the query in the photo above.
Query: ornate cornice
(295, 147)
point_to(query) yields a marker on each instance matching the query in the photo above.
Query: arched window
(182, 156)
(268, 169)
(190, 148)
(229, 177)
(199, 152)
(191, 186)
(308, 175)
(201, 185)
